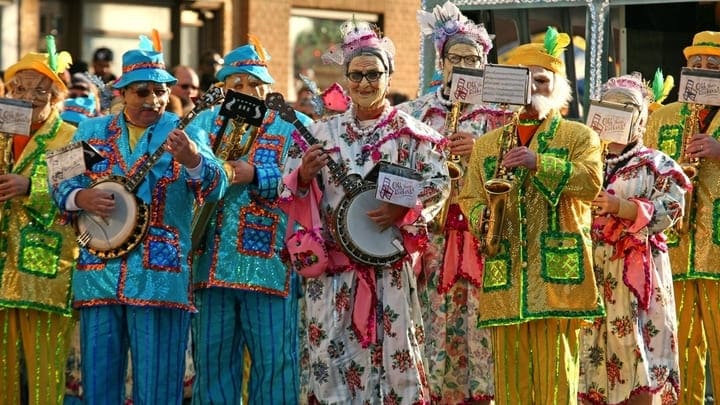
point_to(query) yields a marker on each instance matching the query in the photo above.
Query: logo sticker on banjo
(398, 185)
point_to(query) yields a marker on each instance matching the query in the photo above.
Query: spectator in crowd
(187, 87)
(102, 64)
(210, 63)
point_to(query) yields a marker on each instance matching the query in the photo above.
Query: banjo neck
(211, 97)
(351, 182)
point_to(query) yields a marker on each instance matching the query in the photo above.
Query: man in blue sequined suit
(246, 295)
(139, 300)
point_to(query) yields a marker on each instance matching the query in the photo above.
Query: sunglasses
(143, 92)
(371, 76)
(188, 86)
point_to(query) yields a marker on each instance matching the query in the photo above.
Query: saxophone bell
(497, 190)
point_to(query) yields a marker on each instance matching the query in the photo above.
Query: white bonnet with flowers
(448, 26)
(359, 37)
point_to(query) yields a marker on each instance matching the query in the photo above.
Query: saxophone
(228, 148)
(691, 166)
(455, 169)
(498, 190)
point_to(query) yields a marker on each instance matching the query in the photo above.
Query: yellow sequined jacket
(694, 255)
(544, 268)
(37, 252)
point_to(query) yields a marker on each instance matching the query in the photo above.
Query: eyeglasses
(371, 76)
(188, 86)
(468, 59)
(143, 92)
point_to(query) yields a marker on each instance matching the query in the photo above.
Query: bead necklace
(379, 122)
(625, 156)
(441, 98)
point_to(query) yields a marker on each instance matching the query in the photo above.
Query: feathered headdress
(58, 62)
(151, 44)
(446, 22)
(660, 88)
(358, 36)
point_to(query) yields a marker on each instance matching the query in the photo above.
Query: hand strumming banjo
(118, 234)
(358, 236)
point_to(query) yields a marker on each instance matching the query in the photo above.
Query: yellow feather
(255, 41)
(64, 60)
(667, 86)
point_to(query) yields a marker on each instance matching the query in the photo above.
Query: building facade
(295, 32)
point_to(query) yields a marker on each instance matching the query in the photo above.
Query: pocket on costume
(496, 272)
(39, 251)
(162, 249)
(257, 231)
(562, 258)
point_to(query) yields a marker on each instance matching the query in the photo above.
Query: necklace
(441, 97)
(627, 155)
(363, 132)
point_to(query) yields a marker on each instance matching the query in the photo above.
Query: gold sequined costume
(694, 257)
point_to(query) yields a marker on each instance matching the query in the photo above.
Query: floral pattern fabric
(634, 348)
(386, 365)
(459, 354)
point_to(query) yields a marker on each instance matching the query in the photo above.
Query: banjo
(116, 235)
(358, 236)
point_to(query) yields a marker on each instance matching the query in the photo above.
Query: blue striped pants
(157, 339)
(228, 320)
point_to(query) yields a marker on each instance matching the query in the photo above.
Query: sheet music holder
(466, 85)
(611, 121)
(699, 86)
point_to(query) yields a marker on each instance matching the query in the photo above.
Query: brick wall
(269, 20)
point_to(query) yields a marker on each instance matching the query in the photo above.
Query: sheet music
(506, 85)
(65, 163)
(15, 116)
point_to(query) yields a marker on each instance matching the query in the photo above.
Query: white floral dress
(634, 348)
(364, 329)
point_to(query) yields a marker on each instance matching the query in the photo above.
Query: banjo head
(359, 237)
(122, 231)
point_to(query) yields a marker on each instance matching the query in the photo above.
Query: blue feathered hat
(145, 64)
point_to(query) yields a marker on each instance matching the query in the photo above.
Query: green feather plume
(57, 62)
(52, 52)
(551, 37)
(661, 87)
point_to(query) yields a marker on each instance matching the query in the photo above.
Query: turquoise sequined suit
(245, 293)
(141, 300)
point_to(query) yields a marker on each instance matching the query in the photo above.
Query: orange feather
(255, 41)
(157, 43)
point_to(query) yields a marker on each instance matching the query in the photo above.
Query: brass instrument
(498, 190)
(6, 153)
(228, 149)
(691, 166)
(454, 166)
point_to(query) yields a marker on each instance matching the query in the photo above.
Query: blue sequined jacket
(245, 237)
(157, 271)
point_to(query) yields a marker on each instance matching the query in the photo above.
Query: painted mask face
(247, 84)
(460, 55)
(35, 87)
(367, 80)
